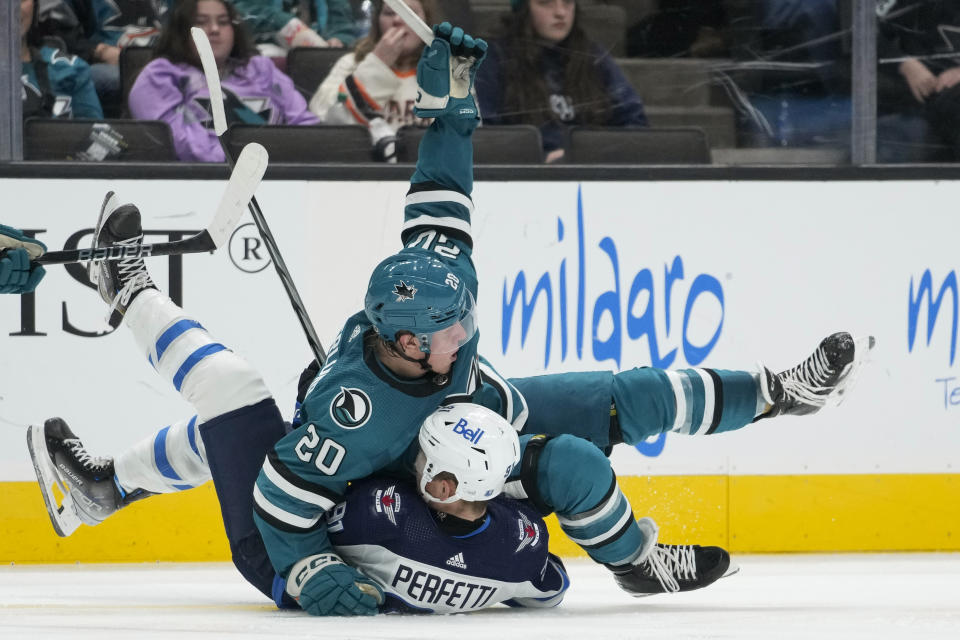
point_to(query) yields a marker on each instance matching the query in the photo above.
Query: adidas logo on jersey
(457, 561)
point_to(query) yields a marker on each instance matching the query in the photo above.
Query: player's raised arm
(439, 197)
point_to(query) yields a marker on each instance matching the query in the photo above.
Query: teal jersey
(68, 83)
(358, 417)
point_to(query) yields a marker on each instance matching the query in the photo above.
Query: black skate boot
(87, 483)
(823, 378)
(670, 568)
(119, 281)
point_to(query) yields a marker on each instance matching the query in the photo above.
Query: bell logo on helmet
(404, 292)
(351, 408)
(473, 435)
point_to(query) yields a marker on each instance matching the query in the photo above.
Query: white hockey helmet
(473, 443)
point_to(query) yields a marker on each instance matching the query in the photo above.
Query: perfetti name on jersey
(440, 591)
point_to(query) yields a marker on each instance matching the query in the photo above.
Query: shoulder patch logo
(351, 408)
(529, 533)
(404, 292)
(387, 502)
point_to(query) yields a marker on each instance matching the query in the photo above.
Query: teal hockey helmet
(414, 291)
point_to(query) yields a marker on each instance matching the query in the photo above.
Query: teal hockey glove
(446, 72)
(325, 586)
(17, 275)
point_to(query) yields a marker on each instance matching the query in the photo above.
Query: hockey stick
(244, 179)
(421, 28)
(209, 64)
(415, 22)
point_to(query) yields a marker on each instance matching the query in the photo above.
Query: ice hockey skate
(824, 378)
(118, 281)
(85, 483)
(670, 568)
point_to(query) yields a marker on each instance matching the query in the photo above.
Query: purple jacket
(256, 93)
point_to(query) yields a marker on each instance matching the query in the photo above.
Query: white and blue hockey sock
(208, 375)
(173, 459)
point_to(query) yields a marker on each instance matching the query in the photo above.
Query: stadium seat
(61, 139)
(305, 144)
(132, 62)
(637, 145)
(507, 144)
(309, 66)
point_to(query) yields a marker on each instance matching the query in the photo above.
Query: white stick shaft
(246, 176)
(209, 64)
(415, 22)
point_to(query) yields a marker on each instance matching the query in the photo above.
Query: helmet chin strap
(420, 361)
(439, 378)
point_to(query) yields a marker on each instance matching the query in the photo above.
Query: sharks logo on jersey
(34, 105)
(351, 408)
(241, 109)
(529, 533)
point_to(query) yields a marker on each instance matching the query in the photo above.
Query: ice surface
(869, 597)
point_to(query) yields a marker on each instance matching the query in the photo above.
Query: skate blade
(63, 516)
(861, 355)
(110, 202)
(731, 570)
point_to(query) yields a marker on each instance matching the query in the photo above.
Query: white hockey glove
(446, 72)
(326, 586)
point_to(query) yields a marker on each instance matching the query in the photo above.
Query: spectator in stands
(55, 84)
(545, 71)
(680, 28)
(119, 24)
(73, 21)
(330, 23)
(799, 89)
(810, 29)
(377, 82)
(172, 87)
(919, 82)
